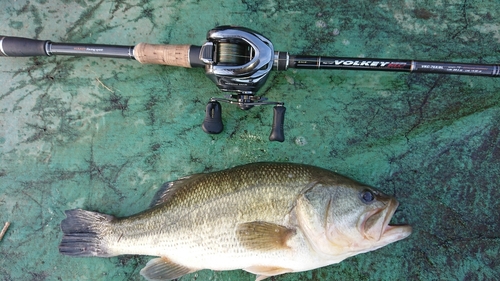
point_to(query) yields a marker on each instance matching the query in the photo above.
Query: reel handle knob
(213, 120)
(277, 133)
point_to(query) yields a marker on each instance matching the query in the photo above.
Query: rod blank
(318, 62)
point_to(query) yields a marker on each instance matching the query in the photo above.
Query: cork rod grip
(174, 55)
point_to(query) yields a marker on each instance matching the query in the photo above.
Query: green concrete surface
(104, 134)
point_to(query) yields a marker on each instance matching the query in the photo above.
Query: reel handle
(212, 124)
(277, 132)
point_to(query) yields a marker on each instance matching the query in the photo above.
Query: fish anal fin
(263, 236)
(161, 269)
(264, 272)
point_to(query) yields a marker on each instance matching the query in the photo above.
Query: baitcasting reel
(238, 61)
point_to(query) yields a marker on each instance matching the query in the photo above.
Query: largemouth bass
(264, 218)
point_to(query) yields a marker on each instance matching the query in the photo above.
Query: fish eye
(367, 196)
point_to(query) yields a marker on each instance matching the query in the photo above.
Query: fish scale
(265, 218)
(220, 189)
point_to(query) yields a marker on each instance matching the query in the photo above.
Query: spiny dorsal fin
(162, 269)
(263, 236)
(169, 188)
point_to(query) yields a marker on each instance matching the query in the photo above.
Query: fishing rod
(238, 60)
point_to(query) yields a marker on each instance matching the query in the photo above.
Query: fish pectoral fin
(263, 236)
(264, 272)
(163, 269)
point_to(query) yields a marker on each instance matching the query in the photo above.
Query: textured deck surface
(104, 134)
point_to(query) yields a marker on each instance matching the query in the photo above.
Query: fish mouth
(377, 225)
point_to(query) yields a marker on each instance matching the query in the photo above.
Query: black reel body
(238, 60)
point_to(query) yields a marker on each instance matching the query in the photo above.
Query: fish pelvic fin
(264, 272)
(82, 234)
(162, 269)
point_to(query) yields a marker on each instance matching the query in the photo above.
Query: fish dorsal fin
(168, 189)
(264, 272)
(263, 236)
(161, 269)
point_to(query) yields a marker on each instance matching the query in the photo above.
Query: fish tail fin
(83, 234)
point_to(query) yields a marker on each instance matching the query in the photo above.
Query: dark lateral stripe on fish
(81, 236)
